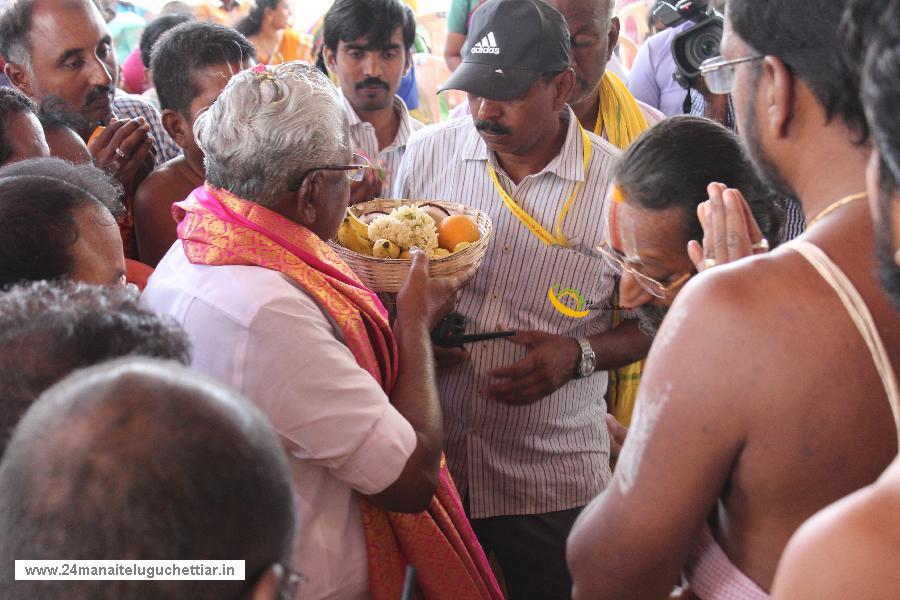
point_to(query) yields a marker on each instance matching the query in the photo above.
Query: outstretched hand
(729, 230)
(549, 364)
(428, 297)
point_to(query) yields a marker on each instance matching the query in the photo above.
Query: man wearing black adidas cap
(523, 420)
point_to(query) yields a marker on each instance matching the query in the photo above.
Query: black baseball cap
(510, 44)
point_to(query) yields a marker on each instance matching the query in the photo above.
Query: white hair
(268, 126)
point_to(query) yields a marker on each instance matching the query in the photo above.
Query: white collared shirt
(259, 332)
(552, 455)
(362, 137)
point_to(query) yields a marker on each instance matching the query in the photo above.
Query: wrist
(587, 359)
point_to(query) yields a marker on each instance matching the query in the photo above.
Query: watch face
(587, 366)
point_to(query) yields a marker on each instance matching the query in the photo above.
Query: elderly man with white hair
(273, 311)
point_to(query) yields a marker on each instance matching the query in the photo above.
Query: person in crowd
(458, 18)
(82, 72)
(273, 311)
(137, 75)
(21, 134)
(849, 549)
(57, 221)
(652, 79)
(600, 100)
(61, 123)
(755, 439)
(368, 45)
(521, 415)
(50, 328)
(223, 12)
(666, 182)
(604, 105)
(191, 63)
(108, 465)
(268, 27)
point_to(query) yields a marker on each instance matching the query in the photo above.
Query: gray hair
(267, 127)
(15, 23)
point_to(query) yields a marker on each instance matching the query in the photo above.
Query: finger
(143, 152)
(717, 218)
(446, 357)
(126, 130)
(523, 338)
(419, 265)
(106, 135)
(737, 238)
(518, 369)
(129, 142)
(695, 252)
(525, 390)
(617, 431)
(756, 234)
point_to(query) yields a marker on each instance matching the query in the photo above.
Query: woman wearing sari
(274, 312)
(268, 29)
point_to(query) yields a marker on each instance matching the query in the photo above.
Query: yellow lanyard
(557, 238)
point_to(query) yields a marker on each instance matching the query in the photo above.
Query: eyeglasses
(718, 73)
(617, 261)
(355, 171)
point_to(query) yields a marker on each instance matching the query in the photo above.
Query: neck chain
(836, 205)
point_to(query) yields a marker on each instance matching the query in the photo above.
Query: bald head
(595, 33)
(144, 459)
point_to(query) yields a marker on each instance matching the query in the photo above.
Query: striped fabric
(552, 455)
(131, 106)
(794, 220)
(712, 576)
(363, 138)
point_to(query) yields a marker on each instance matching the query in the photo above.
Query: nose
(631, 294)
(372, 64)
(488, 110)
(102, 74)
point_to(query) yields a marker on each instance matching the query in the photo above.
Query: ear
(267, 587)
(409, 62)
(779, 95)
(330, 58)
(19, 77)
(177, 126)
(306, 209)
(614, 28)
(564, 84)
(148, 77)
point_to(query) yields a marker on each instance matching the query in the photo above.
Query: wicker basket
(388, 274)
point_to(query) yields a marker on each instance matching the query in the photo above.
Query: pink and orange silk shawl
(218, 228)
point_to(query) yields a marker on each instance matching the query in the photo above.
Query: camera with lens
(692, 46)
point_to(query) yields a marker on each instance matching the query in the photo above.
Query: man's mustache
(371, 82)
(101, 91)
(491, 127)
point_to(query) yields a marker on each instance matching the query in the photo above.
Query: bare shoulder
(166, 184)
(848, 550)
(726, 327)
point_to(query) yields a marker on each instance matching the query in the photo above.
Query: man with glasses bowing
(766, 394)
(524, 417)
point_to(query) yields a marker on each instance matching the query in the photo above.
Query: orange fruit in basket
(457, 229)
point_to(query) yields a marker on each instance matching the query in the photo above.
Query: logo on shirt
(487, 45)
(563, 301)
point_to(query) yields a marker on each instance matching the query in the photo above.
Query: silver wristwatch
(588, 362)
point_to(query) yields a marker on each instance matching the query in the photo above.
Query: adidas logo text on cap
(487, 45)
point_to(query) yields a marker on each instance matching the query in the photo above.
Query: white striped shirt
(554, 454)
(365, 141)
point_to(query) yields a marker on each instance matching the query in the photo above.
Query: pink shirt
(256, 330)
